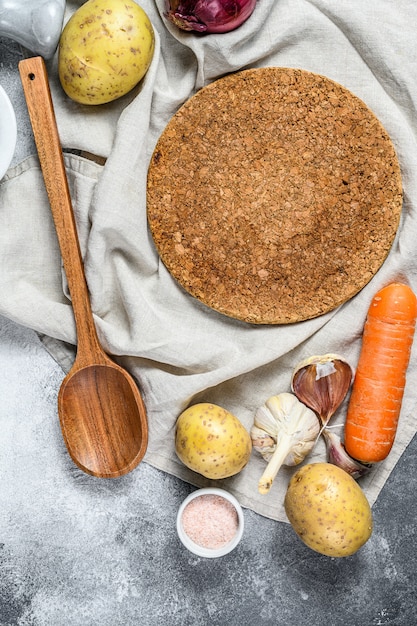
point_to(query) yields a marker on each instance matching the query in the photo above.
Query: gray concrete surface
(77, 551)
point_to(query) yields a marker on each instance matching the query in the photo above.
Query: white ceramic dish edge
(8, 132)
(200, 550)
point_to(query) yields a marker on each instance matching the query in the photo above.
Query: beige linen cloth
(179, 351)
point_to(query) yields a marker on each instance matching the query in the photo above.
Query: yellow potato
(105, 49)
(328, 510)
(211, 441)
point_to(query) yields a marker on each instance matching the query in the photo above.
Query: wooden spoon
(102, 414)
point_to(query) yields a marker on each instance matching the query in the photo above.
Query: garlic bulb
(284, 432)
(321, 383)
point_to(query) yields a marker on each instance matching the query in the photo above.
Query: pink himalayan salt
(210, 521)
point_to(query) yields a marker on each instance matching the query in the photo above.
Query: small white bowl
(8, 132)
(200, 550)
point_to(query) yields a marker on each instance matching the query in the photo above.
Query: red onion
(209, 16)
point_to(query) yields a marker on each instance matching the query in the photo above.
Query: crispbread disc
(274, 195)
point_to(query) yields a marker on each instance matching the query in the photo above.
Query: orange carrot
(378, 387)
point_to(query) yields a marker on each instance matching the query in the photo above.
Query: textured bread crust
(274, 195)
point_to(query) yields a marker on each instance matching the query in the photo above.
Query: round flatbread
(274, 195)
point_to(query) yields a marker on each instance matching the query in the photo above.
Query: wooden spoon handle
(35, 83)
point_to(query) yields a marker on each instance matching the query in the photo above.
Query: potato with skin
(328, 510)
(211, 441)
(105, 49)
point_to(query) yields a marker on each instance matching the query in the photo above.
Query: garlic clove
(321, 383)
(262, 442)
(337, 455)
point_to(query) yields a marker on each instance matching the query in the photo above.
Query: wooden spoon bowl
(102, 414)
(103, 431)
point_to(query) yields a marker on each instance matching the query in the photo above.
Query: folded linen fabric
(179, 350)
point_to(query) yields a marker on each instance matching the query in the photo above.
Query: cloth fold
(179, 350)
